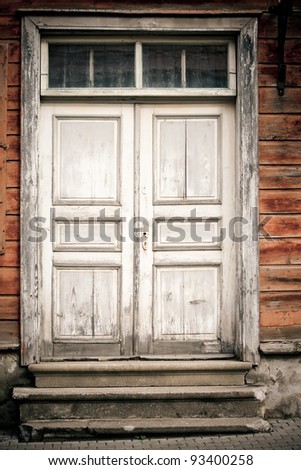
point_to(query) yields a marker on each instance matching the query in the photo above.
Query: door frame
(247, 314)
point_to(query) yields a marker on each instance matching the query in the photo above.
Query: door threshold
(145, 357)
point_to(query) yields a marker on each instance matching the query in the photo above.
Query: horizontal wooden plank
(279, 127)
(13, 122)
(280, 201)
(13, 174)
(14, 75)
(13, 98)
(13, 151)
(267, 75)
(285, 303)
(277, 153)
(281, 225)
(152, 7)
(280, 251)
(279, 177)
(271, 102)
(280, 278)
(268, 51)
(274, 333)
(12, 201)
(11, 256)
(10, 27)
(9, 281)
(9, 332)
(268, 26)
(277, 319)
(12, 228)
(9, 307)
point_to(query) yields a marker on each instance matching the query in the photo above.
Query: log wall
(279, 149)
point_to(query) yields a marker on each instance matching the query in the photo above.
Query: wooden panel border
(247, 315)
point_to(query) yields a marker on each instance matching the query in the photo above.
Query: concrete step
(93, 429)
(139, 402)
(141, 373)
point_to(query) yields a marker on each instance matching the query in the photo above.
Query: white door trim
(247, 344)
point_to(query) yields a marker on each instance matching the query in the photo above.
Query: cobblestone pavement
(284, 435)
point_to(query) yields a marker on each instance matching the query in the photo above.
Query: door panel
(86, 188)
(187, 187)
(172, 292)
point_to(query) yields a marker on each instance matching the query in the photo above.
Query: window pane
(206, 66)
(161, 65)
(114, 65)
(68, 66)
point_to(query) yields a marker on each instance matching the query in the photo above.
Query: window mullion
(138, 64)
(183, 68)
(91, 67)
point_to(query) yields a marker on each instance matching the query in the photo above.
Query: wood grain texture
(10, 27)
(13, 174)
(14, 74)
(13, 122)
(9, 281)
(267, 51)
(279, 177)
(274, 333)
(9, 333)
(9, 307)
(280, 278)
(278, 201)
(3, 138)
(12, 226)
(31, 80)
(13, 98)
(267, 75)
(271, 102)
(283, 251)
(280, 153)
(268, 26)
(13, 151)
(12, 201)
(11, 256)
(279, 127)
(285, 303)
(281, 225)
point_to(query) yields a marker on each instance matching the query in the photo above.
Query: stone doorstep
(132, 393)
(139, 402)
(139, 373)
(58, 429)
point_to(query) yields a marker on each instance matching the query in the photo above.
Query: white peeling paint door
(170, 291)
(187, 267)
(85, 189)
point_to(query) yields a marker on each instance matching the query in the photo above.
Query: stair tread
(153, 425)
(157, 392)
(88, 367)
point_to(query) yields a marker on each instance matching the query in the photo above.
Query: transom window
(138, 66)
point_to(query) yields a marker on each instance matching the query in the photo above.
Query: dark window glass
(161, 65)
(68, 66)
(114, 65)
(206, 66)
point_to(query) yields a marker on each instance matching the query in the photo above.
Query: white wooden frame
(247, 315)
(138, 90)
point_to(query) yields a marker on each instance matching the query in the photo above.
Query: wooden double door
(136, 204)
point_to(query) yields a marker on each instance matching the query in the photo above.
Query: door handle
(144, 240)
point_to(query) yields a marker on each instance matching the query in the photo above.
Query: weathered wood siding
(279, 146)
(280, 183)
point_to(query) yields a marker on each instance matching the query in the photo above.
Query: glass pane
(114, 65)
(206, 66)
(161, 65)
(68, 66)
